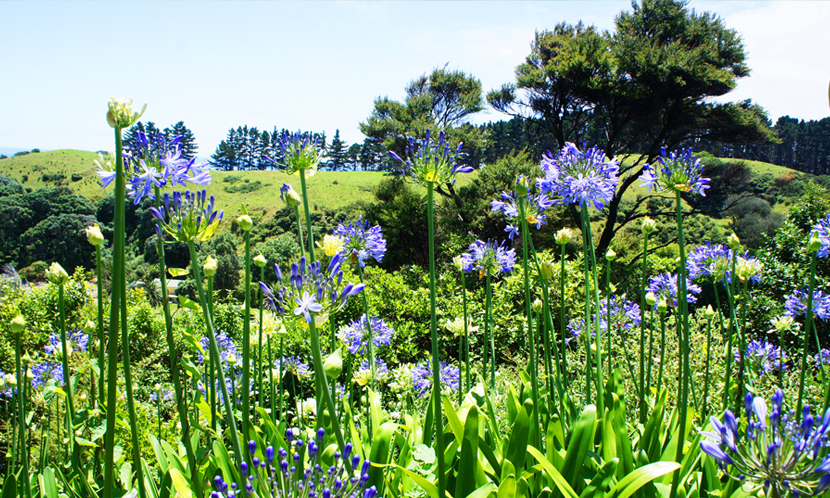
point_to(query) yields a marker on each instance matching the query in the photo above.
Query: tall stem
(100, 324)
(214, 364)
(490, 334)
(805, 344)
(22, 445)
(433, 332)
(562, 329)
(300, 223)
(643, 393)
(466, 332)
(370, 339)
(537, 438)
(586, 220)
(246, 345)
(70, 399)
(259, 352)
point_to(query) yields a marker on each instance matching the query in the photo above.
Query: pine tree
(336, 153)
(188, 144)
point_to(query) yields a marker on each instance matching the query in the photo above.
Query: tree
(337, 153)
(644, 86)
(441, 101)
(188, 144)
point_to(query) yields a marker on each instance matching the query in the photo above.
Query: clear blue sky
(319, 65)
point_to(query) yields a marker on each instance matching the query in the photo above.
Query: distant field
(326, 189)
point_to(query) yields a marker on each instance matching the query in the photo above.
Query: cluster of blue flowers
(488, 258)
(187, 218)
(664, 287)
(293, 365)
(76, 340)
(166, 395)
(822, 231)
(677, 172)
(227, 349)
(315, 290)
(579, 177)
(361, 242)
(763, 357)
(422, 377)
(625, 315)
(431, 163)
(822, 358)
(381, 369)
(297, 471)
(778, 452)
(44, 372)
(710, 261)
(356, 333)
(535, 206)
(795, 304)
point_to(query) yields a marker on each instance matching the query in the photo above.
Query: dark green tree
(188, 144)
(643, 86)
(336, 153)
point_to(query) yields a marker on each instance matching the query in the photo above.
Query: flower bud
(18, 323)
(546, 270)
(94, 235)
(334, 364)
(157, 388)
(648, 225)
(260, 261)
(457, 263)
(814, 244)
(56, 274)
(332, 245)
(245, 222)
(662, 306)
(26, 359)
(289, 196)
(610, 255)
(537, 306)
(120, 113)
(709, 313)
(210, 266)
(522, 186)
(29, 375)
(89, 327)
(563, 236)
(11, 380)
(734, 242)
(651, 299)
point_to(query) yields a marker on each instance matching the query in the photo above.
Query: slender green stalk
(259, 352)
(490, 335)
(650, 350)
(70, 398)
(300, 223)
(643, 393)
(466, 330)
(211, 332)
(271, 380)
(733, 330)
(706, 369)
(586, 220)
(682, 306)
(22, 445)
(562, 330)
(608, 314)
(281, 373)
(158, 412)
(246, 346)
(370, 338)
(805, 345)
(537, 437)
(662, 351)
(115, 309)
(100, 325)
(214, 364)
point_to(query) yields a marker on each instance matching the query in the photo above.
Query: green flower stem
(213, 365)
(662, 351)
(246, 347)
(705, 409)
(316, 354)
(158, 412)
(643, 392)
(537, 437)
(433, 332)
(299, 220)
(744, 370)
(650, 350)
(22, 445)
(271, 380)
(174, 365)
(281, 373)
(370, 338)
(608, 314)
(211, 332)
(553, 380)
(100, 324)
(466, 330)
(733, 330)
(805, 345)
(70, 399)
(490, 336)
(823, 369)
(589, 240)
(259, 352)
(115, 308)
(562, 328)
(683, 307)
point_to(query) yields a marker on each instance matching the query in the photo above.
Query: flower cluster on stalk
(187, 218)
(777, 451)
(664, 287)
(763, 357)
(44, 372)
(298, 471)
(311, 290)
(822, 231)
(364, 374)
(356, 333)
(676, 172)
(361, 242)
(76, 340)
(625, 315)
(227, 349)
(293, 365)
(534, 205)
(431, 163)
(710, 261)
(795, 304)
(822, 358)
(488, 258)
(298, 152)
(422, 378)
(579, 177)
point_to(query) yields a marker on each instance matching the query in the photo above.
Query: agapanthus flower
(165, 394)
(822, 231)
(488, 258)
(664, 287)
(763, 357)
(580, 177)
(422, 377)
(713, 261)
(227, 349)
(625, 315)
(796, 304)
(431, 163)
(356, 334)
(298, 152)
(297, 470)
(44, 372)
(748, 268)
(76, 340)
(777, 452)
(676, 172)
(332, 244)
(187, 218)
(289, 196)
(120, 112)
(364, 374)
(822, 358)
(314, 290)
(360, 241)
(293, 365)
(535, 206)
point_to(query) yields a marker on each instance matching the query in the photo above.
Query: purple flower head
(710, 261)
(188, 217)
(664, 286)
(763, 357)
(535, 206)
(166, 395)
(307, 305)
(488, 258)
(356, 334)
(227, 349)
(431, 163)
(422, 377)
(360, 241)
(298, 152)
(43, 373)
(76, 340)
(292, 365)
(822, 358)
(380, 367)
(579, 177)
(796, 304)
(822, 231)
(625, 315)
(676, 172)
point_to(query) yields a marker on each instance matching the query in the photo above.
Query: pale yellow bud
(814, 244)
(537, 306)
(522, 186)
(120, 113)
(260, 261)
(651, 299)
(245, 222)
(709, 313)
(662, 306)
(332, 244)
(546, 270)
(94, 235)
(210, 266)
(648, 225)
(563, 236)
(734, 242)
(610, 255)
(56, 274)
(89, 326)
(457, 262)
(18, 323)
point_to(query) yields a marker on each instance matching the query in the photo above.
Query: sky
(320, 65)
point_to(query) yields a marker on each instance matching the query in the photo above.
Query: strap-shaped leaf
(601, 481)
(465, 484)
(181, 484)
(519, 434)
(640, 477)
(558, 479)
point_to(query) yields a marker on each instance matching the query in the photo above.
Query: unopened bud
(245, 222)
(260, 261)
(648, 225)
(546, 270)
(289, 196)
(18, 323)
(333, 365)
(457, 263)
(709, 313)
(733, 242)
(94, 235)
(610, 255)
(651, 299)
(537, 306)
(522, 186)
(814, 244)
(662, 306)
(157, 388)
(210, 266)
(56, 274)
(563, 236)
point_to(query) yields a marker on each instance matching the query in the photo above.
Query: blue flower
(361, 241)
(535, 206)
(380, 367)
(822, 231)
(431, 163)
(664, 286)
(76, 340)
(710, 261)
(298, 152)
(580, 177)
(43, 373)
(187, 218)
(355, 334)
(422, 377)
(166, 395)
(625, 315)
(307, 305)
(292, 365)
(822, 358)
(763, 356)
(796, 304)
(227, 349)
(488, 258)
(677, 172)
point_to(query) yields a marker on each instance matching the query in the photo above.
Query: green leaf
(454, 422)
(126, 475)
(48, 485)
(601, 481)
(161, 459)
(424, 454)
(582, 440)
(520, 433)
(465, 484)
(177, 272)
(558, 479)
(9, 487)
(381, 438)
(181, 484)
(640, 477)
(483, 491)
(430, 489)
